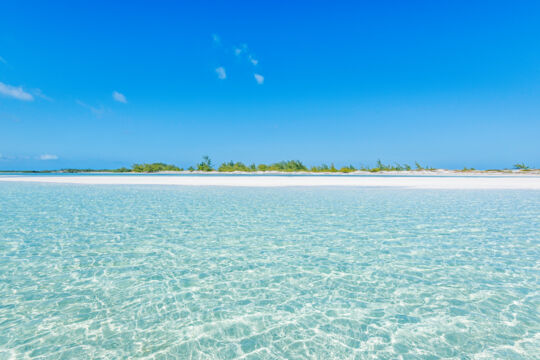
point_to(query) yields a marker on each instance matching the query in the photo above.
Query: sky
(103, 84)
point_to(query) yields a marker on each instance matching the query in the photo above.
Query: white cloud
(243, 53)
(6, 158)
(48, 157)
(243, 49)
(253, 60)
(119, 97)
(222, 75)
(40, 94)
(96, 111)
(15, 92)
(259, 78)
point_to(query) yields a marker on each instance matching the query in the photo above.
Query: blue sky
(106, 84)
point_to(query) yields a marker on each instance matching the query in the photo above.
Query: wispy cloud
(259, 78)
(96, 111)
(253, 60)
(2, 60)
(216, 39)
(11, 157)
(243, 53)
(119, 97)
(16, 92)
(221, 74)
(44, 157)
(48, 157)
(6, 157)
(38, 93)
(243, 50)
(238, 51)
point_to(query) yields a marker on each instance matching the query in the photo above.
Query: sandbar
(419, 182)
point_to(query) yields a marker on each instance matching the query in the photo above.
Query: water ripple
(295, 273)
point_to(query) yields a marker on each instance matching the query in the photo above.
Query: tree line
(206, 165)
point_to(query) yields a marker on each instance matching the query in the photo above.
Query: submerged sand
(420, 182)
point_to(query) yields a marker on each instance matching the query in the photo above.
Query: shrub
(521, 166)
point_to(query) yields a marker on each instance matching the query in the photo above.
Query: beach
(269, 180)
(419, 182)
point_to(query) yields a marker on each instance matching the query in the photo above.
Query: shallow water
(184, 272)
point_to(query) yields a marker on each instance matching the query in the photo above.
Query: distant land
(290, 166)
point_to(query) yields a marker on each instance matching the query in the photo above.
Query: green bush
(232, 166)
(521, 166)
(205, 165)
(154, 167)
(289, 166)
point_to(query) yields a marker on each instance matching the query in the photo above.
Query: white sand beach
(419, 182)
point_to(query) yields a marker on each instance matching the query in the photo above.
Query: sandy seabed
(421, 182)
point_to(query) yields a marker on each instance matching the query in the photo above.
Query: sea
(186, 272)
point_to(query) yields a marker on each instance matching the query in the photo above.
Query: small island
(292, 166)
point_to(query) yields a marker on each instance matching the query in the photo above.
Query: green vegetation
(395, 167)
(322, 168)
(298, 166)
(70, 171)
(465, 169)
(232, 166)
(347, 169)
(150, 168)
(521, 166)
(122, 170)
(206, 165)
(288, 166)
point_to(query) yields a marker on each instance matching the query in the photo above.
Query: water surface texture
(117, 272)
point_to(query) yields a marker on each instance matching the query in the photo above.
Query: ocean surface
(171, 272)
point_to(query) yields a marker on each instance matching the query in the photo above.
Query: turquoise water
(117, 272)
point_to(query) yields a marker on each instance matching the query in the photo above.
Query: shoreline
(436, 172)
(414, 182)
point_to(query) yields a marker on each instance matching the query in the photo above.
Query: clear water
(162, 272)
